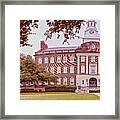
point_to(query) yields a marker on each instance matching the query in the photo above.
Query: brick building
(76, 65)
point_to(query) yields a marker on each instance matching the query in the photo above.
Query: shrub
(60, 88)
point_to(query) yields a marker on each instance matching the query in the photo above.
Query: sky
(34, 40)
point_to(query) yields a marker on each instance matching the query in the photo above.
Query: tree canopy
(69, 28)
(31, 71)
(26, 29)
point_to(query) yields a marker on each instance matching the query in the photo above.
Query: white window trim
(72, 80)
(52, 69)
(71, 69)
(72, 58)
(65, 59)
(40, 60)
(58, 69)
(64, 81)
(59, 81)
(46, 59)
(58, 59)
(52, 59)
(93, 67)
(82, 58)
(92, 58)
(64, 69)
(82, 69)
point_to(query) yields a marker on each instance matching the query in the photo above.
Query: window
(46, 59)
(72, 58)
(65, 59)
(59, 81)
(65, 81)
(82, 81)
(93, 69)
(92, 58)
(40, 60)
(82, 69)
(58, 69)
(71, 69)
(82, 58)
(52, 70)
(64, 69)
(52, 59)
(46, 68)
(58, 59)
(72, 81)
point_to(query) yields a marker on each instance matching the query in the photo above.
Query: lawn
(58, 96)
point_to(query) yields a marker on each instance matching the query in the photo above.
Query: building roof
(59, 48)
(91, 46)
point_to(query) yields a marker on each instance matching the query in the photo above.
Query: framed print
(60, 59)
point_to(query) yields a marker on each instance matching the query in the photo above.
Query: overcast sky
(34, 40)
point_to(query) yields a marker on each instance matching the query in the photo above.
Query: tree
(48, 77)
(25, 30)
(31, 71)
(69, 28)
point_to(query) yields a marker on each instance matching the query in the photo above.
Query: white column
(78, 64)
(98, 65)
(86, 64)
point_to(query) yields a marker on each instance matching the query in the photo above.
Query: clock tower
(91, 32)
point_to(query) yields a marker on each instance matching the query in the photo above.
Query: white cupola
(91, 32)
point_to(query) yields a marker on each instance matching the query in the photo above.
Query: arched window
(46, 59)
(72, 81)
(65, 81)
(58, 59)
(59, 81)
(40, 60)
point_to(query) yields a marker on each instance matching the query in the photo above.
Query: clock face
(91, 31)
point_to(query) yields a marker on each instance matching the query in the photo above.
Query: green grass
(58, 96)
